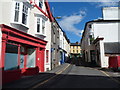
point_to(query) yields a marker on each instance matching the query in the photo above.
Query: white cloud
(68, 22)
(102, 3)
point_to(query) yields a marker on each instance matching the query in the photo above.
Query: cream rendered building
(75, 49)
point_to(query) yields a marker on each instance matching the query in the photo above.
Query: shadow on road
(63, 81)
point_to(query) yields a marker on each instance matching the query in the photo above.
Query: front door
(40, 60)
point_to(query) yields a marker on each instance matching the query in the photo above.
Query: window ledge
(43, 35)
(20, 24)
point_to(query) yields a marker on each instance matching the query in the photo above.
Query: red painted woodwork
(14, 31)
(3, 52)
(48, 10)
(118, 61)
(41, 10)
(42, 61)
(21, 38)
(49, 15)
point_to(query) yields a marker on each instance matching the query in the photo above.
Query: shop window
(31, 57)
(22, 56)
(11, 57)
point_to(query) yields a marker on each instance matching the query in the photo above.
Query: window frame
(25, 13)
(17, 55)
(20, 16)
(41, 23)
(17, 10)
(38, 24)
(43, 26)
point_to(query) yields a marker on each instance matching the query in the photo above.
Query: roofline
(49, 15)
(61, 29)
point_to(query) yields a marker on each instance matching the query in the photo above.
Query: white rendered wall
(104, 60)
(48, 46)
(109, 31)
(6, 12)
(111, 13)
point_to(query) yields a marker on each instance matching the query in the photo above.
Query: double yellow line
(107, 75)
(45, 81)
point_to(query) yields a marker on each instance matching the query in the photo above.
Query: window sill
(39, 34)
(17, 24)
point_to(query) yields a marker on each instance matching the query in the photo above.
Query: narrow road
(79, 77)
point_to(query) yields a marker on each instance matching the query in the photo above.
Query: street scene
(59, 44)
(70, 76)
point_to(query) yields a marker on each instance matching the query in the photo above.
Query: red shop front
(22, 54)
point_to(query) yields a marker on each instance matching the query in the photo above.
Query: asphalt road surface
(73, 76)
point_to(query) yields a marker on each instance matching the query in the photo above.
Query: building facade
(24, 38)
(75, 49)
(55, 52)
(100, 39)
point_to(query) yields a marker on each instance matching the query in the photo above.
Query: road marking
(45, 81)
(110, 77)
(117, 81)
(63, 69)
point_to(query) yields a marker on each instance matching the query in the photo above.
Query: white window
(21, 13)
(17, 8)
(40, 3)
(38, 25)
(43, 26)
(24, 14)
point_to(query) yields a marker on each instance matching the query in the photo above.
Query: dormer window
(40, 3)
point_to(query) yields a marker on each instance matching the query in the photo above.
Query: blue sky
(76, 14)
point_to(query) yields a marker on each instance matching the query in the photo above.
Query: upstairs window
(24, 14)
(43, 26)
(38, 25)
(21, 13)
(17, 8)
(40, 3)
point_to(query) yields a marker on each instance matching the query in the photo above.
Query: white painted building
(66, 46)
(40, 26)
(31, 17)
(101, 38)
